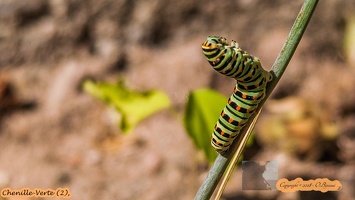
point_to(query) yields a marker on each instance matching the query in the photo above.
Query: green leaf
(133, 106)
(201, 114)
(349, 40)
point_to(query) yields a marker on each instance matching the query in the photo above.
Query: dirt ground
(53, 135)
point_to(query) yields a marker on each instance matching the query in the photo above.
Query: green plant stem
(216, 172)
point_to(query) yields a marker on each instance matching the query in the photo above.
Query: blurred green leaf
(349, 39)
(134, 106)
(201, 113)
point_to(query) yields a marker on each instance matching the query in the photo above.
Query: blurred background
(52, 134)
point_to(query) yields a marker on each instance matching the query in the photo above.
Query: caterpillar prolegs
(230, 60)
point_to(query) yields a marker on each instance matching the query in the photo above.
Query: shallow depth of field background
(52, 134)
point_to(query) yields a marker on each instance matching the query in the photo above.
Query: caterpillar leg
(268, 76)
(234, 44)
(221, 139)
(221, 149)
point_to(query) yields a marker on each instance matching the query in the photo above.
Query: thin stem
(215, 174)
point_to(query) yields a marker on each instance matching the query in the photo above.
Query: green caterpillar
(251, 78)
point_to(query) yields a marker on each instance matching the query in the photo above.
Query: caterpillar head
(214, 42)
